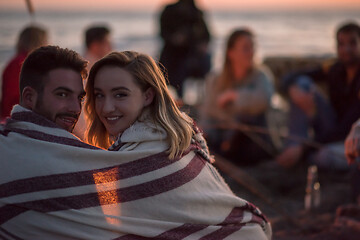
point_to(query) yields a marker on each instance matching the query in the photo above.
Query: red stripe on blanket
(235, 216)
(52, 138)
(75, 179)
(44, 122)
(256, 211)
(32, 117)
(4, 132)
(222, 232)
(176, 233)
(231, 224)
(257, 219)
(144, 190)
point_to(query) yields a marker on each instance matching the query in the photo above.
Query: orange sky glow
(241, 5)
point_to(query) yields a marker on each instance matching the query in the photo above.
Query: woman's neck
(240, 73)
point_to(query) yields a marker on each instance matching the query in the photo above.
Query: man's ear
(149, 96)
(29, 97)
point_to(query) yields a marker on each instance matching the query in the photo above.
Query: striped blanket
(53, 186)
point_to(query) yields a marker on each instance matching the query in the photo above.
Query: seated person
(352, 153)
(30, 38)
(330, 119)
(241, 93)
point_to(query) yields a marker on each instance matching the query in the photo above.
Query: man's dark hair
(95, 34)
(349, 27)
(31, 37)
(41, 61)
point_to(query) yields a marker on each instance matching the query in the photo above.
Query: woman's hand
(226, 98)
(352, 144)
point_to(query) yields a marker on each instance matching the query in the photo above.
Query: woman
(241, 93)
(171, 189)
(125, 87)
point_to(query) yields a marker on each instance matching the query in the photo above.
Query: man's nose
(74, 106)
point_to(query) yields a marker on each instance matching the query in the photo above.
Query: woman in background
(241, 93)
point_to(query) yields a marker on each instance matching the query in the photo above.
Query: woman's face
(242, 53)
(118, 99)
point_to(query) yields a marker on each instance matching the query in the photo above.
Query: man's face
(61, 98)
(103, 47)
(348, 47)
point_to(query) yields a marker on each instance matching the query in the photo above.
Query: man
(331, 119)
(186, 38)
(352, 144)
(53, 186)
(352, 153)
(30, 38)
(97, 43)
(51, 85)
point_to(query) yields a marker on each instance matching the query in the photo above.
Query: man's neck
(351, 71)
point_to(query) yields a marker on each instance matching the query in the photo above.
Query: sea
(278, 33)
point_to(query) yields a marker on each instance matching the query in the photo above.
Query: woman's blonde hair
(226, 77)
(164, 111)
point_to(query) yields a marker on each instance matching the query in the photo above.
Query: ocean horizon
(278, 33)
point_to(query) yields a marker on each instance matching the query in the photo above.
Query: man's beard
(42, 111)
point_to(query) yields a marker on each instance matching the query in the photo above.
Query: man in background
(186, 38)
(98, 44)
(30, 38)
(330, 118)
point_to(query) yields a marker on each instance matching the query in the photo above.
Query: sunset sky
(241, 5)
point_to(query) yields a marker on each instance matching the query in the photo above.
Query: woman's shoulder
(142, 137)
(142, 131)
(263, 73)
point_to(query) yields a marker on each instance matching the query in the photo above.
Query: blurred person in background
(349, 214)
(98, 43)
(328, 114)
(241, 93)
(352, 153)
(30, 38)
(186, 38)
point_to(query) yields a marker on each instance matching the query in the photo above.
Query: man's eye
(62, 94)
(119, 95)
(98, 95)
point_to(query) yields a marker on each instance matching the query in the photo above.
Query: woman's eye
(98, 95)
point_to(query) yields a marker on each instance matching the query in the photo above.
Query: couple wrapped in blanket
(154, 181)
(53, 186)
